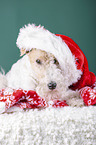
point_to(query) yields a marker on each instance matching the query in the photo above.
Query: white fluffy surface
(65, 126)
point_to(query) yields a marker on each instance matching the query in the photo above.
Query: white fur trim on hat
(32, 36)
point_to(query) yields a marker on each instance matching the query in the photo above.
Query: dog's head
(51, 82)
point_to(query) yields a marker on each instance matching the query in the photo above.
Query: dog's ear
(22, 52)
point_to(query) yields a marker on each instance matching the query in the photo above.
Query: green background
(74, 18)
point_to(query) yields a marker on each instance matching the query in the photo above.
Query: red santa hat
(70, 57)
(87, 78)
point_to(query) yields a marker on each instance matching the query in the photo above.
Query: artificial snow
(50, 126)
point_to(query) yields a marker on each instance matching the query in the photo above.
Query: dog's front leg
(73, 99)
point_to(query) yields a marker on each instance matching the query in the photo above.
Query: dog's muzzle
(52, 85)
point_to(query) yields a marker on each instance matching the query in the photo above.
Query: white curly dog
(42, 70)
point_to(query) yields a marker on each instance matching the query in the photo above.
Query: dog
(48, 66)
(40, 71)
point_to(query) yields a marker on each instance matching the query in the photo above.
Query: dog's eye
(55, 61)
(38, 61)
(27, 51)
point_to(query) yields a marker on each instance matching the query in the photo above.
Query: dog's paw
(74, 102)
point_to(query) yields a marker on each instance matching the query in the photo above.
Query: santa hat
(70, 57)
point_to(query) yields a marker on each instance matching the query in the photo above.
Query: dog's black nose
(52, 85)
